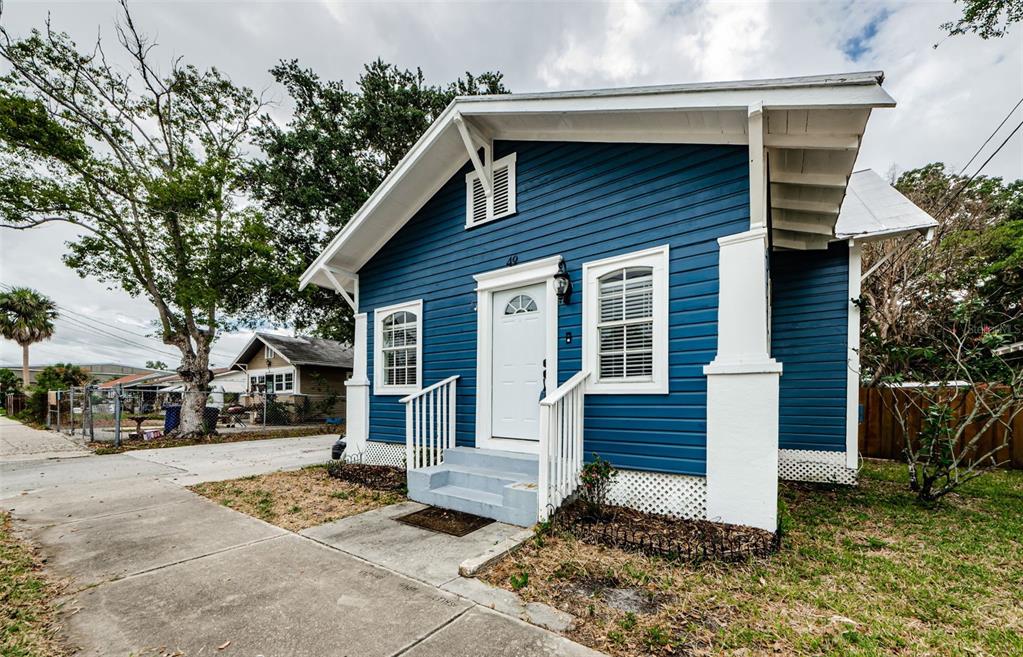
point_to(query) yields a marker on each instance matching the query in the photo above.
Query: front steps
(485, 482)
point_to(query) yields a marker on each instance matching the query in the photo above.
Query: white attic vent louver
(478, 210)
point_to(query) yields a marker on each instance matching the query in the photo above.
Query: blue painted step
(489, 483)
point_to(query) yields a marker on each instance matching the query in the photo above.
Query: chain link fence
(114, 414)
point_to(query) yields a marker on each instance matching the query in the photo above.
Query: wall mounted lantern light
(563, 284)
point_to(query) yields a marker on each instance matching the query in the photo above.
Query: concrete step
(493, 459)
(480, 503)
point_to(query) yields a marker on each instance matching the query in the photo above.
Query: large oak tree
(145, 165)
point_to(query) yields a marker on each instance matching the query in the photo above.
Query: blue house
(661, 276)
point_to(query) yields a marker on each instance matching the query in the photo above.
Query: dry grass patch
(27, 596)
(215, 439)
(862, 571)
(298, 499)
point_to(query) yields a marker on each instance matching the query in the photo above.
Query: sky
(949, 98)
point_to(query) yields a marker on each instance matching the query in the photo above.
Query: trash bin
(171, 418)
(209, 418)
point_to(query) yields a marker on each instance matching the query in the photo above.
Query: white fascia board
(848, 91)
(248, 344)
(382, 191)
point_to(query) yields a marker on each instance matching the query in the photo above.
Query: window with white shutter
(625, 319)
(480, 209)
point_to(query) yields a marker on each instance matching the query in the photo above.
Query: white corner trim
(379, 315)
(852, 415)
(659, 259)
(487, 283)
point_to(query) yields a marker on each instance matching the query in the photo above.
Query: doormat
(444, 521)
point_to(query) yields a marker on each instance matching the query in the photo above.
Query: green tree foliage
(144, 160)
(986, 18)
(9, 382)
(61, 376)
(323, 165)
(156, 365)
(26, 317)
(936, 312)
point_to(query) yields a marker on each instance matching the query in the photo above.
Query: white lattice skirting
(681, 496)
(815, 466)
(378, 453)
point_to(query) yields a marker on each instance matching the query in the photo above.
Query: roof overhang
(813, 129)
(874, 210)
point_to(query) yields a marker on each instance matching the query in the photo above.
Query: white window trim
(537, 271)
(379, 388)
(510, 161)
(657, 259)
(295, 387)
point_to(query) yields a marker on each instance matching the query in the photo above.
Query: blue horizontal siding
(809, 335)
(583, 202)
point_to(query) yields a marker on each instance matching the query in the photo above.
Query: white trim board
(537, 271)
(852, 411)
(440, 152)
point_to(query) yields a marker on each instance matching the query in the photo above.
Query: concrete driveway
(21, 443)
(158, 570)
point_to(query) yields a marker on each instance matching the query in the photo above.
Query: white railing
(429, 424)
(561, 444)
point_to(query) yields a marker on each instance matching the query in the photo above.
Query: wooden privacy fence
(881, 435)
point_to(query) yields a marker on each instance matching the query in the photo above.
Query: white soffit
(814, 127)
(873, 208)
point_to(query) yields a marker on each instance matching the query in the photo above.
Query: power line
(991, 136)
(84, 322)
(981, 167)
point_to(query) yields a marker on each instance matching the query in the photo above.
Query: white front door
(519, 349)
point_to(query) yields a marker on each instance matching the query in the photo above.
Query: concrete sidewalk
(158, 569)
(21, 443)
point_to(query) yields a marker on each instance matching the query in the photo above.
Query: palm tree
(26, 317)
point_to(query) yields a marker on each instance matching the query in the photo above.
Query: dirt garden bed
(862, 570)
(297, 499)
(215, 439)
(27, 608)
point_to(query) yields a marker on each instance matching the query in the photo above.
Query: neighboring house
(293, 368)
(659, 276)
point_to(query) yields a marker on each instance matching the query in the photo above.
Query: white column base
(356, 416)
(742, 446)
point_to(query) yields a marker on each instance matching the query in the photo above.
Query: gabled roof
(873, 209)
(300, 350)
(813, 130)
(145, 378)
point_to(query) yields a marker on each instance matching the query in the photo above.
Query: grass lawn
(296, 500)
(26, 601)
(862, 571)
(242, 436)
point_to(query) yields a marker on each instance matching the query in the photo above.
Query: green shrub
(597, 478)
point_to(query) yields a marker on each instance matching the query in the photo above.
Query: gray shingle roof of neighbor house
(301, 350)
(872, 208)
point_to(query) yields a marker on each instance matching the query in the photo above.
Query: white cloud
(949, 98)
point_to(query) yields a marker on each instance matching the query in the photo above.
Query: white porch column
(357, 399)
(742, 380)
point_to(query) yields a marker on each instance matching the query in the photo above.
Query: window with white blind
(398, 348)
(625, 319)
(478, 208)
